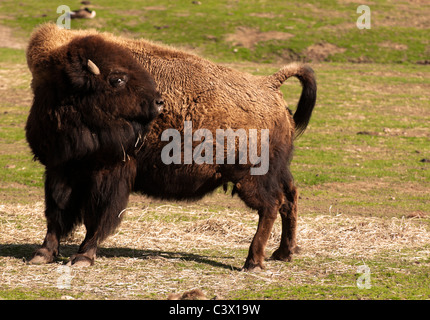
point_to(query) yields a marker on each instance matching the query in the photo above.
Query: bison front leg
(87, 250)
(108, 197)
(100, 222)
(62, 214)
(49, 249)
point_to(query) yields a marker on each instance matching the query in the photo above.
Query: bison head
(110, 77)
(92, 101)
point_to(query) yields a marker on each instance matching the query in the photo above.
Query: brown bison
(95, 136)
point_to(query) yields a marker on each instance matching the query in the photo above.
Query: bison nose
(159, 104)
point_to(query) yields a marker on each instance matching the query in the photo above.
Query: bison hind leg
(254, 191)
(288, 212)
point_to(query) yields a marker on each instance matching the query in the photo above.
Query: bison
(102, 134)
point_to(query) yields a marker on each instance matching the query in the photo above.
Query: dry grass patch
(359, 237)
(166, 249)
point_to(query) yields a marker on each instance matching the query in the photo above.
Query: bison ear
(82, 72)
(93, 67)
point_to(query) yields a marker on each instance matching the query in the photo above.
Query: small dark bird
(83, 14)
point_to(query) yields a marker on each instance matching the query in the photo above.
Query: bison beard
(88, 143)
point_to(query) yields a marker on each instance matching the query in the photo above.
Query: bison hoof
(80, 260)
(282, 256)
(42, 256)
(253, 267)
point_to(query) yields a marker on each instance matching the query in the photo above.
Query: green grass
(10, 55)
(390, 279)
(204, 26)
(26, 294)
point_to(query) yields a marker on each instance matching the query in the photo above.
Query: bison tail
(309, 92)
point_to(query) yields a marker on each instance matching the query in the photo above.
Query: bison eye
(118, 80)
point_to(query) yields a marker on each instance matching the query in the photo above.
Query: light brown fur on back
(224, 97)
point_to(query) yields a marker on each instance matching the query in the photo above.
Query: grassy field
(362, 166)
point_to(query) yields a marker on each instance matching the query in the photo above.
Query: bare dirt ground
(249, 37)
(9, 40)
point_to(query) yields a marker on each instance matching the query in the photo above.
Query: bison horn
(93, 68)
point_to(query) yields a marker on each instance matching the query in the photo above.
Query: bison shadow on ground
(25, 251)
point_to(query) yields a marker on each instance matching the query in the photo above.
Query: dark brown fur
(212, 97)
(84, 128)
